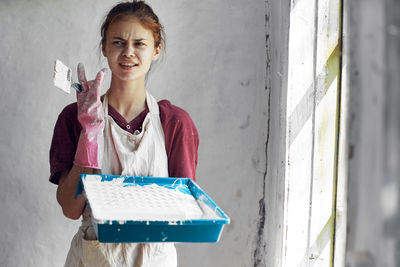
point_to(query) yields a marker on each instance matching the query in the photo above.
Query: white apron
(140, 154)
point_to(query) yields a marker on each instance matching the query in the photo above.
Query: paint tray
(204, 229)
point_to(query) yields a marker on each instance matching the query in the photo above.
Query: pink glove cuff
(89, 150)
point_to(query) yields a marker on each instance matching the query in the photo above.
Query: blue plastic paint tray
(207, 228)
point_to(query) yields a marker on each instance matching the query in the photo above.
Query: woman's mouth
(128, 66)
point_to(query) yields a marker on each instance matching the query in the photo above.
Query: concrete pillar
(373, 146)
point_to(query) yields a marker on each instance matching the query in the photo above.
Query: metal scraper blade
(62, 78)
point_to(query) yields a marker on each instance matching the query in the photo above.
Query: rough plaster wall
(365, 47)
(391, 182)
(215, 69)
(373, 177)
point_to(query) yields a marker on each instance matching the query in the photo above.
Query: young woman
(126, 131)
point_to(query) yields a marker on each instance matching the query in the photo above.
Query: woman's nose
(129, 51)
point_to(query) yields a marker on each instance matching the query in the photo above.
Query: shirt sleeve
(64, 142)
(182, 142)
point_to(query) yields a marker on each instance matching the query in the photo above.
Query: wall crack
(260, 249)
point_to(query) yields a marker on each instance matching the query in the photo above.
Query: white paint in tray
(118, 201)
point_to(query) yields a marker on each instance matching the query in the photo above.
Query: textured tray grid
(142, 202)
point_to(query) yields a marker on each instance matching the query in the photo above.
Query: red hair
(138, 10)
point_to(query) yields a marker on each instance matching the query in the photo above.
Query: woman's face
(129, 49)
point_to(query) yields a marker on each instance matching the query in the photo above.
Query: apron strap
(155, 116)
(105, 104)
(152, 104)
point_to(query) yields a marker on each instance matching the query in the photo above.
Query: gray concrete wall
(373, 51)
(391, 179)
(215, 69)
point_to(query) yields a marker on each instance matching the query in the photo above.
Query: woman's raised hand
(91, 117)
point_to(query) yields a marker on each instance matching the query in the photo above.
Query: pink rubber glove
(91, 118)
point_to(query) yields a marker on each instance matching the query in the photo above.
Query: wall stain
(239, 193)
(246, 123)
(247, 83)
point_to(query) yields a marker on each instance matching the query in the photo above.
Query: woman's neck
(128, 98)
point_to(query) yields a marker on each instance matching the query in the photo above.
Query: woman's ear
(157, 52)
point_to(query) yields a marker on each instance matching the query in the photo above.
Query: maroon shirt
(181, 139)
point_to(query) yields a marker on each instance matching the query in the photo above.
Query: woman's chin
(129, 77)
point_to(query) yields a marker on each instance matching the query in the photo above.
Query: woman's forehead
(129, 28)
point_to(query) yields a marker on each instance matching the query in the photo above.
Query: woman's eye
(139, 44)
(118, 43)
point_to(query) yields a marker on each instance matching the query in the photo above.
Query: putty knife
(62, 78)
